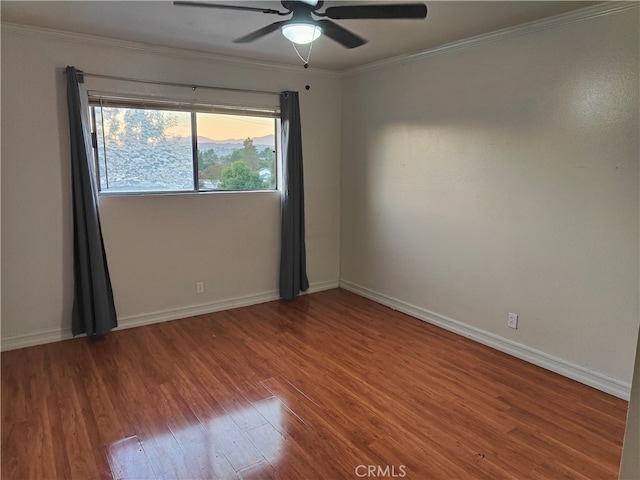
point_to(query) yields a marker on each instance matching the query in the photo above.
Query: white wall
(503, 177)
(158, 247)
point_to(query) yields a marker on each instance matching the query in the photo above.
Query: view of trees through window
(148, 150)
(241, 163)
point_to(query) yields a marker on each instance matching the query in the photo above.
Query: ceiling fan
(302, 28)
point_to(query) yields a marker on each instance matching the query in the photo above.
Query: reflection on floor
(208, 446)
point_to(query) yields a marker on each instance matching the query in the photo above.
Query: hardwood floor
(329, 386)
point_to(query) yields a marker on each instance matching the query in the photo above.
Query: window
(159, 147)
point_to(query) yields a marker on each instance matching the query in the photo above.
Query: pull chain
(306, 61)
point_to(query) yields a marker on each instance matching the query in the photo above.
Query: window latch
(94, 140)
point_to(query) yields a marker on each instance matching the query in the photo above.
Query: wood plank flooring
(329, 386)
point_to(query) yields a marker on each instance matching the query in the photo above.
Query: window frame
(102, 99)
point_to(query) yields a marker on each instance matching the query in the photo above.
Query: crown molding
(602, 9)
(160, 50)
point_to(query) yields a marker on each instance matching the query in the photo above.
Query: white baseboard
(550, 362)
(218, 306)
(194, 310)
(34, 338)
(320, 286)
(57, 335)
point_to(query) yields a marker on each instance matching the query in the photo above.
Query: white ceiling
(212, 30)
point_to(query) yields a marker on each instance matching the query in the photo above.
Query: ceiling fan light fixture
(301, 33)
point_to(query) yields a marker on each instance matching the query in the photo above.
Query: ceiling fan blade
(227, 7)
(403, 10)
(341, 35)
(260, 33)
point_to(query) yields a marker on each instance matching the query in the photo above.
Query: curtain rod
(172, 84)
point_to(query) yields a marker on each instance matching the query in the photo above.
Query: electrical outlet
(513, 320)
(200, 287)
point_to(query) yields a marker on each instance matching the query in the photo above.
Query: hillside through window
(159, 149)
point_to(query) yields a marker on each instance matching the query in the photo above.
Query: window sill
(181, 193)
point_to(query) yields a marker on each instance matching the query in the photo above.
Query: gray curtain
(293, 264)
(94, 312)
